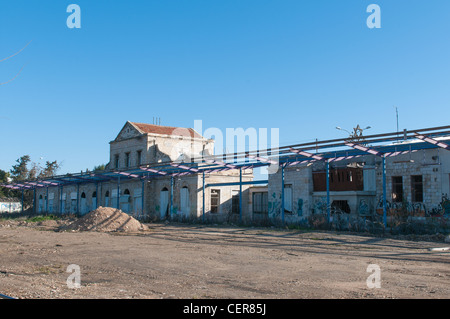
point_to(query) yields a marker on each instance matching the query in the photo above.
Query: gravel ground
(192, 261)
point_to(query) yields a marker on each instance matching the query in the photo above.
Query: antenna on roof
(156, 120)
(396, 114)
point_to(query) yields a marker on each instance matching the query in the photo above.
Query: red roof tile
(166, 130)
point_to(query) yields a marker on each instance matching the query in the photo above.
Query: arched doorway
(107, 199)
(83, 204)
(41, 204)
(125, 201)
(94, 201)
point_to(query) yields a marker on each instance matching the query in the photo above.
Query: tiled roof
(166, 130)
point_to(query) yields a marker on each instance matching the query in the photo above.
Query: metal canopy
(390, 144)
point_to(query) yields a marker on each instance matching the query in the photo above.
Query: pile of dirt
(106, 219)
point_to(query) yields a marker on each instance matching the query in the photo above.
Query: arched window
(94, 194)
(126, 192)
(83, 195)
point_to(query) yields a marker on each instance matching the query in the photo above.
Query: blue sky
(304, 67)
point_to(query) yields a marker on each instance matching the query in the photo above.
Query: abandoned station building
(417, 183)
(135, 150)
(150, 173)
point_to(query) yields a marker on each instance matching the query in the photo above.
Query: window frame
(414, 189)
(396, 185)
(215, 208)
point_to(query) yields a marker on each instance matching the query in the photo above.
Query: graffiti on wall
(10, 207)
(363, 208)
(274, 206)
(415, 209)
(320, 206)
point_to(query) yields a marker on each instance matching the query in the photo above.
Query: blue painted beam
(240, 195)
(384, 192)
(118, 192)
(203, 191)
(328, 191)
(282, 194)
(143, 196)
(237, 183)
(171, 197)
(22, 201)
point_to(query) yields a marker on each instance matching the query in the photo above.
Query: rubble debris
(106, 219)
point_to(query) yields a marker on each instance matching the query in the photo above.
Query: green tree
(49, 170)
(4, 192)
(100, 167)
(26, 170)
(20, 171)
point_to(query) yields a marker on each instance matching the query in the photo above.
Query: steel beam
(203, 197)
(328, 191)
(34, 200)
(282, 194)
(143, 196)
(22, 202)
(60, 199)
(46, 202)
(384, 191)
(240, 195)
(78, 199)
(237, 183)
(171, 197)
(118, 192)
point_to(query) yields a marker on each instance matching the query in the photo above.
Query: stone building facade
(157, 198)
(417, 184)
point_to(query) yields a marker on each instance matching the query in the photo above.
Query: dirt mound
(106, 219)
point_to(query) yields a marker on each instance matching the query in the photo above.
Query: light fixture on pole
(357, 135)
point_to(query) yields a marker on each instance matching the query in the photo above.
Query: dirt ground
(193, 261)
